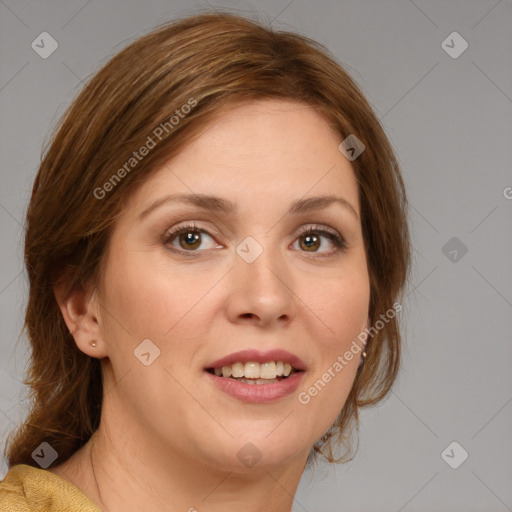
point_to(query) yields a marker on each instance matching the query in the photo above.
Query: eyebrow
(221, 205)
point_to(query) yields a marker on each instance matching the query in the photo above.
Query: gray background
(450, 121)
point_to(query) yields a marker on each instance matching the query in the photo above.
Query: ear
(80, 311)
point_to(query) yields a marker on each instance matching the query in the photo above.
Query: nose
(261, 292)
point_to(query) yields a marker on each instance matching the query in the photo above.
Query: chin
(256, 452)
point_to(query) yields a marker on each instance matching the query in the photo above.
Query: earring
(363, 358)
(92, 343)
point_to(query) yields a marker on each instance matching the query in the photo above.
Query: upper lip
(256, 356)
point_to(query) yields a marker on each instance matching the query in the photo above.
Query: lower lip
(257, 393)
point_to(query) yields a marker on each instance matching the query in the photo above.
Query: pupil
(191, 237)
(310, 241)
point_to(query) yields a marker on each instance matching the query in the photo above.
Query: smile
(253, 372)
(255, 377)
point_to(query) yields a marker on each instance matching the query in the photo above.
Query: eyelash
(333, 236)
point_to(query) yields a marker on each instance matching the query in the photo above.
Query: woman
(216, 245)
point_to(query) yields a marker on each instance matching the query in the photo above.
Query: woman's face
(244, 278)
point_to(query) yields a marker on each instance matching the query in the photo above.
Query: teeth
(257, 381)
(237, 370)
(268, 370)
(253, 370)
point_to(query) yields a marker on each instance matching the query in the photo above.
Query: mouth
(252, 372)
(256, 377)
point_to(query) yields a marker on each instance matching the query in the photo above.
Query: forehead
(259, 154)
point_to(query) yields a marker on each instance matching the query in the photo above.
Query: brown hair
(209, 62)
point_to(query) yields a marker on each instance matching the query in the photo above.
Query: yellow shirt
(29, 489)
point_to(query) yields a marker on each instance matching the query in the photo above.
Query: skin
(168, 438)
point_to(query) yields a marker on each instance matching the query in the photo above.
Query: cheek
(341, 312)
(338, 352)
(145, 297)
(342, 304)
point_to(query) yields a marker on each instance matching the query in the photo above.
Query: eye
(188, 238)
(311, 239)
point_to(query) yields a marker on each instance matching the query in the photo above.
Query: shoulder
(29, 489)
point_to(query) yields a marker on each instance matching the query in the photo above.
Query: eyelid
(175, 231)
(318, 228)
(336, 238)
